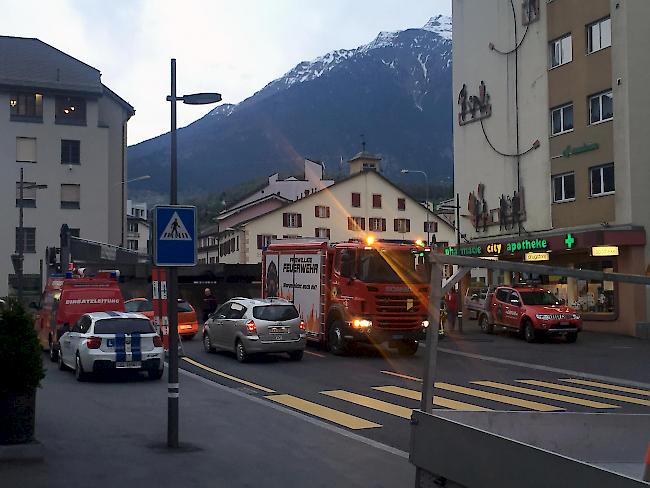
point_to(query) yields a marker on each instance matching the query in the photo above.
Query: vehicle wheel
(571, 337)
(207, 343)
(155, 374)
(79, 369)
(529, 332)
(407, 348)
(485, 324)
(336, 340)
(240, 350)
(62, 366)
(53, 352)
(296, 355)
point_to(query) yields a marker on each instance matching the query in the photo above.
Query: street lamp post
(426, 179)
(172, 283)
(458, 238)
(21, 230)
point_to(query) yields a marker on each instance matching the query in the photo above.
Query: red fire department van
(373, 292)
(68, 297)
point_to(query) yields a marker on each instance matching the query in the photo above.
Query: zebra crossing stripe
(437, 400)
(372, 403)
(586, 391)
(607, 386)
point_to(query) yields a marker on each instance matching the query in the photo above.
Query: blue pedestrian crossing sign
(175, 235)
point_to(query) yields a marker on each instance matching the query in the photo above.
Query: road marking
(585, 391)
(518, 402)
(540, 367)
(335, 416)
(315, 354)
(228, 376)
(545, 394)
(437, 400)
(404, 376)
(607, 386)
(373, 403)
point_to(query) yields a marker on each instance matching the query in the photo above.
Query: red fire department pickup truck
(532, 311)
(348, 292)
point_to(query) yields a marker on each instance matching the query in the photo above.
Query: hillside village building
(363, 204)
(550, 143)
(66, 130)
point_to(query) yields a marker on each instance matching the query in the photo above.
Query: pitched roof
(365, 155)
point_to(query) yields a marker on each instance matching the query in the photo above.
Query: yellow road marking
(227, 376)
(404, 376)
(540, 407)
(341, 418)
(545, 394)
(625, 389)
(437, 400)
(585, 391)
(373, 403)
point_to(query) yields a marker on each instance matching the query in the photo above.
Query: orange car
(188, 325)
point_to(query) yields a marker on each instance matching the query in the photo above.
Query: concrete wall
(476, 24)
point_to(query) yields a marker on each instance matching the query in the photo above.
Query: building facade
(138, 228)
(549, 143)
(66, 130)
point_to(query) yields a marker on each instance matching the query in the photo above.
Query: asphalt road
(373, 391)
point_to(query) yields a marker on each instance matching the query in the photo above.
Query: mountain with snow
(395, 90)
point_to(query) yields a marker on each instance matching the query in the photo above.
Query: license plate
(277, 330)
(127, 364)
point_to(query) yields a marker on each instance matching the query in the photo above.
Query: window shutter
(376, 201)
(356, 199)
(435, 227)
(383, 225)
(401, 204)
(316, 212)
(327, 212)
(316, 232)
(350, 223)
(70, 193)
(285, 219)
(408, 225)
(299, 220)
(260, 241)
(25, 149)
(363, 223)
(328, 232)
(396, 225)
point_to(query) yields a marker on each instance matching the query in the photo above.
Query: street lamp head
(201, 98)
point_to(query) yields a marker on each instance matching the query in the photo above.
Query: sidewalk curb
(30, 452)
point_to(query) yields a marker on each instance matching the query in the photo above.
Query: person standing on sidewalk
(209, 304)
(451, 303)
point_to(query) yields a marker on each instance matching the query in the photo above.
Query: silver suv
(249, 326)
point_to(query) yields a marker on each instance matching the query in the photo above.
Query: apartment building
(550, 141)
(66, 130)
(138, 227)
(363, 204)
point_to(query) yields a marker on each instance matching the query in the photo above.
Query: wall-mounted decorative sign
(473, 108)
(530, 11)
(511, 211)
(572, 151)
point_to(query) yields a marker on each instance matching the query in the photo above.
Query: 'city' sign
(498, 248)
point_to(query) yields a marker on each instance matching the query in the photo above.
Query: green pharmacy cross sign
(569, 241)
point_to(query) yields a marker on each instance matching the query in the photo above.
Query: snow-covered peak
(441, 25)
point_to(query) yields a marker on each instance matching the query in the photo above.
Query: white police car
(109, 341)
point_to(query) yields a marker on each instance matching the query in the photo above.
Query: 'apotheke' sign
(497, 248)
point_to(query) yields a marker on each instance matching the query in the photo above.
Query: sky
(231, 47)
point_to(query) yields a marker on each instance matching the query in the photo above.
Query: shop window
(602, 180)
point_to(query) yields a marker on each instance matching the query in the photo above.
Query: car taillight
(157, 341)
(94, 342)
(250, 325)
(302, 325)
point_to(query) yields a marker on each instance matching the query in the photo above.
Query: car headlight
(361, 323)
(576, 316)
(425, 323)
(542, 316)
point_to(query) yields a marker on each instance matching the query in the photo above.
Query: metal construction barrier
(522, 449)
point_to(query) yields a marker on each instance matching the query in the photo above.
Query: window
(26, 107)
(70, 152)
(377, 224)
(402, 225)
(321, 212)
(291, 219)
(356, 223)
(502, 294)
(133, 227)
(70, 196)
(29, 194)
(376, 200)
(356, 199)
(602, 180)
(562, 119)
(561, 51)
(264, 240)
(601, 107)
(401, 204)
(132, 244)
(322, 233)
(25, 149)
(564, 188)
(236, 312)
(29, 239)
(430, 226)
(70, 110)
(599, 35)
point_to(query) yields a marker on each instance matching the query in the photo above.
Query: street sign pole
(173, 391)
